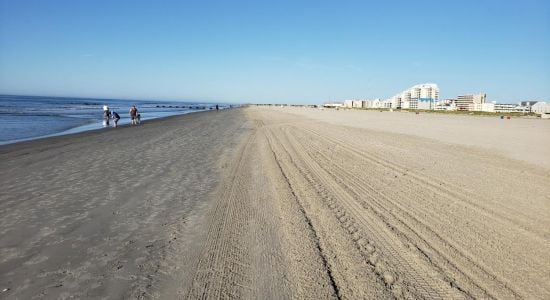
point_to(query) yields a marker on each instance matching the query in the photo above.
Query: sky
(274, 51)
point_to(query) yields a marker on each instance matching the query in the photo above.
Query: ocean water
(30, 117)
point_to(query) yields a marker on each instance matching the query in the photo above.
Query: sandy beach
(280, 203)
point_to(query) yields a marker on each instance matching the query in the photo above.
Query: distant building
(357, 104)
(420, 96)
(541, 108)
(388, 103)
(528, 104)
(348, 103)
(505, 107)
(373, 103)
(522, 109)
(471, 102)
(488, 107)
(502, 107)
(333, 105)
(447, 104)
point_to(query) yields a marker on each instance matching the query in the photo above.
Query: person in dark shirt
(133, 114)
(115, 117)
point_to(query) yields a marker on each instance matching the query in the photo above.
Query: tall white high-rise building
(420, 96)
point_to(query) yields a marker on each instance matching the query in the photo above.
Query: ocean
(31, 117)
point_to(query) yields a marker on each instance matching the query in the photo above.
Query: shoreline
(81, 135)
(92, 126)
(85, 212)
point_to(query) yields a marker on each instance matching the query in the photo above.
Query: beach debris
(5, 290)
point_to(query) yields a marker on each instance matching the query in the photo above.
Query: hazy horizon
(123, 98)
(284, 52)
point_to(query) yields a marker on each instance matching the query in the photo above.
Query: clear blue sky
(274, 51)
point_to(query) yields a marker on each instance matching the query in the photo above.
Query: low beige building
(471, 102)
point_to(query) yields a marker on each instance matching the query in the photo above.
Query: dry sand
(281, 203)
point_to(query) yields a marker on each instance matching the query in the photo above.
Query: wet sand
(280, 203)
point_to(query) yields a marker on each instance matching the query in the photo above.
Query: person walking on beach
(217, 107)
(106, 115)
(116, 117)
(133, 114)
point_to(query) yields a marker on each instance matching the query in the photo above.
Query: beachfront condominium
(420, 96)
(353, 103)
(471, 102)
(361, 103)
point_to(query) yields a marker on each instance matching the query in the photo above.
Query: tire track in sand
(353, 276)
(402, 269)
(459, 268)
(222, 271)
(260, 244)
(303, 212)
